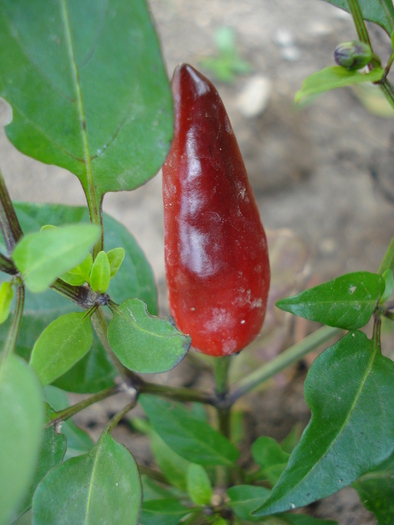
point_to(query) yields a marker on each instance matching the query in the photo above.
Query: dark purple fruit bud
(353, 55)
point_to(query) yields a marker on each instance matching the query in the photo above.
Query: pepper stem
(222, 367)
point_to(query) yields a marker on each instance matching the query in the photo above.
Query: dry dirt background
(324, 172)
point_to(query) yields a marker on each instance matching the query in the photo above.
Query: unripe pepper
(216, 253)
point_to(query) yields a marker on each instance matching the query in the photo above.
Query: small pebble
(255, 96)
(284, 38)
(291, 54)
(320, 29)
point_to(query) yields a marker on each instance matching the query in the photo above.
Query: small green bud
(115, 258)
(100, 273)
(353, 55)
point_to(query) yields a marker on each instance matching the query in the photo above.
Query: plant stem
(282, 361)
(222, 367)
(177, 393)
(68, 412)
(10, 343)
(388, 90)
(355, 10)
(100, 325)
(115, 420)
(7, 266)
(153, 474)
(133, 380)
(9, 223)
(389, 64)
(377, 326)
(80, 295)
(83, 296)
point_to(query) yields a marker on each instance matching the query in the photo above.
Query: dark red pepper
(216, 253)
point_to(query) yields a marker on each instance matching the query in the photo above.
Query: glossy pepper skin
(216, 255)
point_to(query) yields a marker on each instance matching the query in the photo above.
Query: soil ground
(323, 173)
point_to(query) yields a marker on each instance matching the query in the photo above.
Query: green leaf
(63, 343)
(345, 302)
(115, 258)
(349, 389)
(100, 487)
(100, 273)
(88, 89)
(21, 424)
(6, 295)
(92, 373)
(269, 455)
(187, 435)
(80, 274)
(199, 485)
(173, 466)
(144, 343)
(153, 490)
(53, 449)
(376, 491)
(245, 498)
(78, 441)
(380, 12)
(135, 270)
(389, 285)
(335, 77)
(162, 512)
(43, 256)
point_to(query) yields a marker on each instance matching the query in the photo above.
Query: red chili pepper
(215, 246)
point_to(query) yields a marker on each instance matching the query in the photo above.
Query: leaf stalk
(68, 412)
(282, 361)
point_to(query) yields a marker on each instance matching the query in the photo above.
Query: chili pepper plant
(78, 302)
